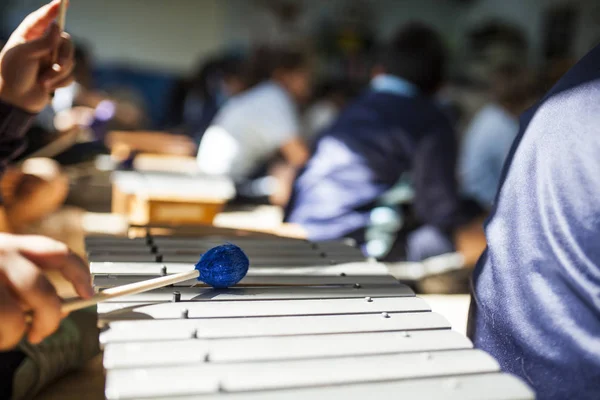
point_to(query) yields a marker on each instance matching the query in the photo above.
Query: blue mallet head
(223, 266)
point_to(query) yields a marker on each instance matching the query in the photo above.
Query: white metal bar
(221, 328)
(493, 386)
(199, 379)
(272, 308)
(117, 278)
(270, 293)
(198, 351)
(152, 268)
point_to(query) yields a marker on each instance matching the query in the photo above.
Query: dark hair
(82, 53)
(335, 87)
(83, 71)
(288, 60)
(212, 71)
(513, 84)
(496, 31)
(417, 54)
(265, 61)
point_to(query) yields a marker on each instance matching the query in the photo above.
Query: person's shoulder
(378, 99)
(570, 97)
(246, 103)
(491, 111)
(491, 120)
(364, 109)
(376, 105)
(584, 71)
(572, 102)
(229, 109)
(269, 92)
(565, 123)
(568, 114)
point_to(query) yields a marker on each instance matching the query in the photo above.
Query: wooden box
(169, 199)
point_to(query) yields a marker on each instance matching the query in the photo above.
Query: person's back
(486, 144)
(393, 129)
(537, 287)
(194, 102)
(257, 124)
(373, 143)
(490, 134)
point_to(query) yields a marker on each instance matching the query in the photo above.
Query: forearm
(4, 224)
(295, 153)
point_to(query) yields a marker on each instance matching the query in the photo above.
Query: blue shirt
(537, 286)
(387, 132)
(486, 145)
(394, 85)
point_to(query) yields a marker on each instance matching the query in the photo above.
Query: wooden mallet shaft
(61, 22)
(75, 304)
(125, 290)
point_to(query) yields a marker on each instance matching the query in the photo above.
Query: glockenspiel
(310, 320)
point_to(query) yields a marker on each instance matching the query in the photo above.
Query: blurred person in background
(490, 135)
(85, 105)
(122, 107)
(76, 93)
(195, 102)
(394, 133)
(258, 133)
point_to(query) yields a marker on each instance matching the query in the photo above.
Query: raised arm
(27, 76)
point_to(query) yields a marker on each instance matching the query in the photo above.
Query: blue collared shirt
(485, 147)
(394, 85)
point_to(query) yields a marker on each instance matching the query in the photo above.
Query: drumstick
(151, 284)
(127, 290)
(60, 21)
(155, 283)
(219, 267)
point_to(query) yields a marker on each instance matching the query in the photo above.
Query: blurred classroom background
(145, 46)
(153, 75)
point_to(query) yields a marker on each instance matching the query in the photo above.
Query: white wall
(172, 34)
(452, 18)
(167, 34)
(439, 13)
(589, 27)
(246, 21)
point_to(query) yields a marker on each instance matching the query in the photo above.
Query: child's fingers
(34, 290)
